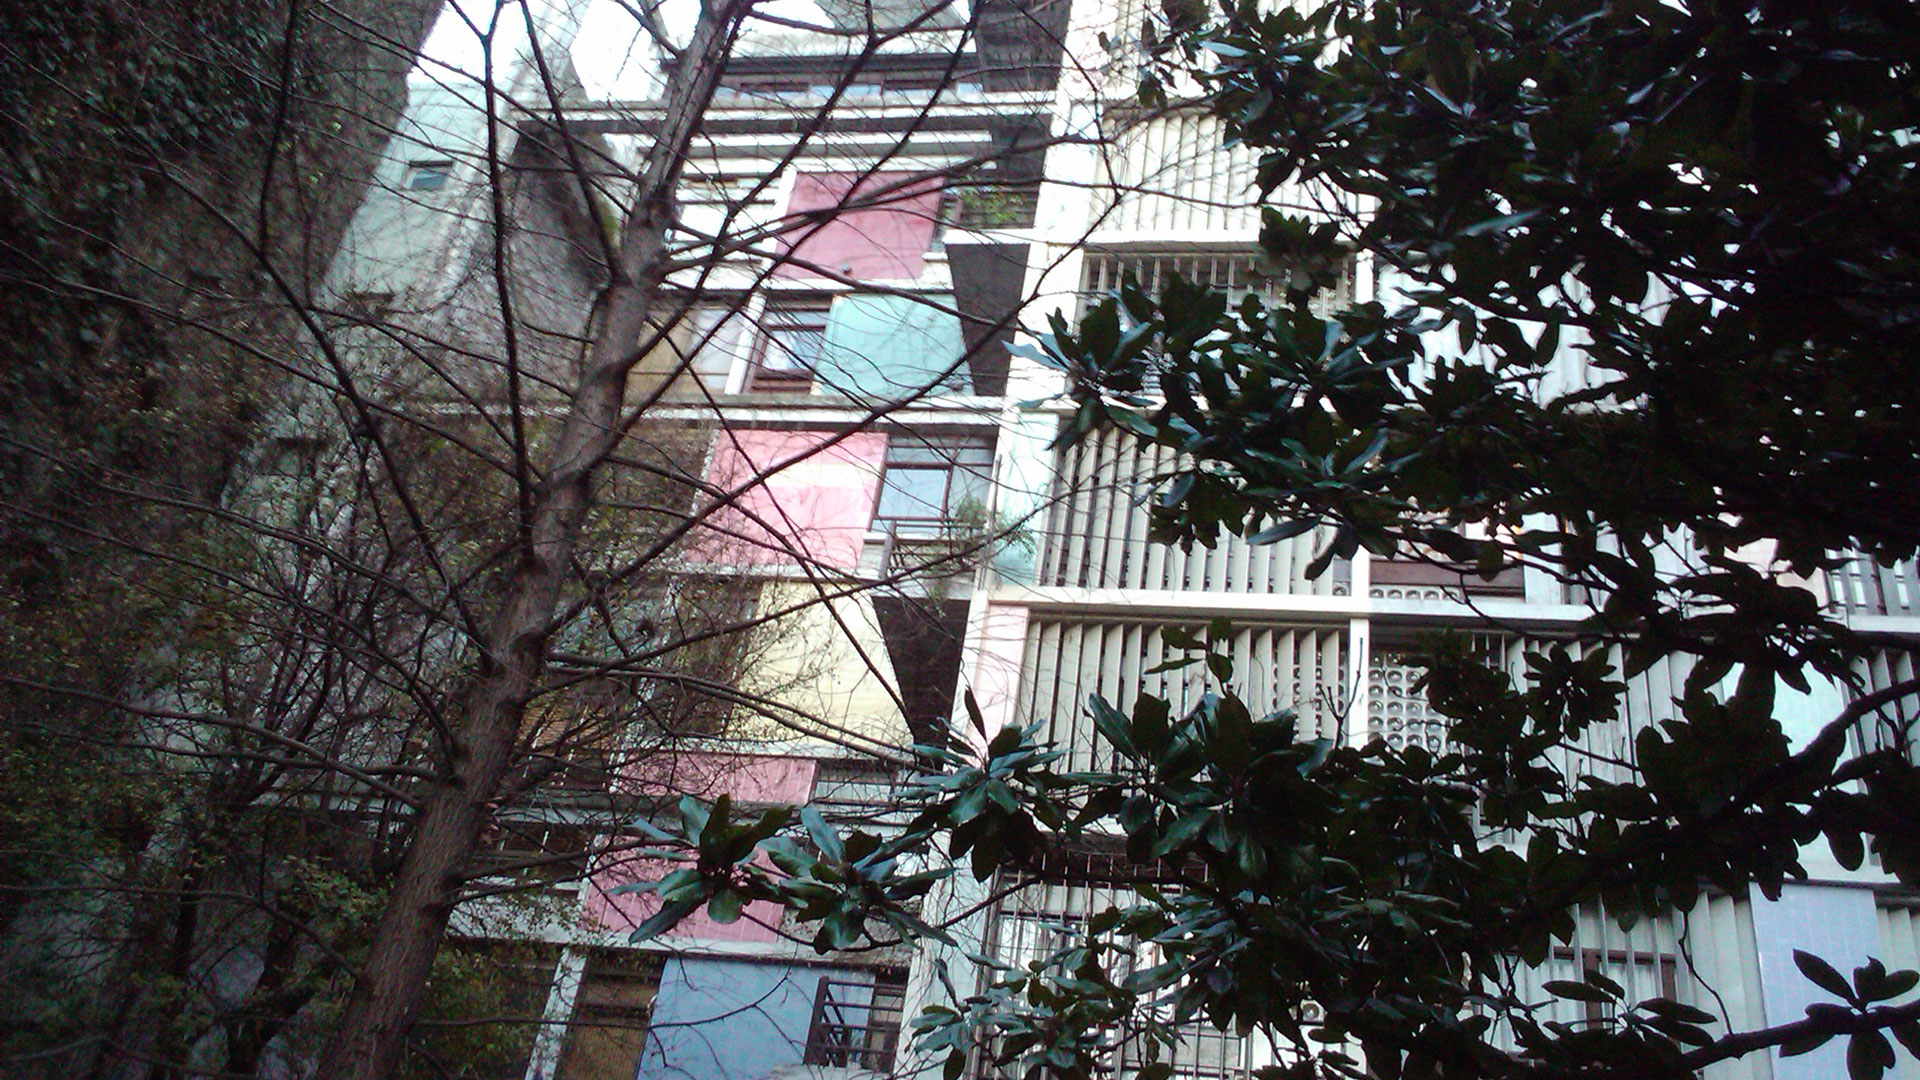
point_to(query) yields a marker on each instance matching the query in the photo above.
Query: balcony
(1175, 173)
(1237, 270)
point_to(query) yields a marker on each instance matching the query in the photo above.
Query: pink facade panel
(621, 913)
(745, 778)
(803, 496)
(995, 680)
(884, 241)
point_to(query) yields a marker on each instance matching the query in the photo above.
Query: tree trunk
(371, 1038)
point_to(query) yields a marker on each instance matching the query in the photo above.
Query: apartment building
(894, 202)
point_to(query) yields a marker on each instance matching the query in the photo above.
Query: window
(758, 89)
(366, 304)
(766, 87)
(428, 175)
(934, 484)
(1203, 1053)
(991, 203)
(536, 850)
(791, 339)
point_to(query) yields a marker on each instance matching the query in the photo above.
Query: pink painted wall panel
(813, 504)
(995, 679)
(604, 912)
(746, 778)
(886, 241)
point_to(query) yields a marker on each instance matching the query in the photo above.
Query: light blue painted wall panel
(1836, 924)
(729, 1019)
(890, 347)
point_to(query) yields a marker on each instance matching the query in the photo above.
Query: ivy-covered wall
(174, 176)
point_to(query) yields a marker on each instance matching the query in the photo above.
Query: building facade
(872, 218)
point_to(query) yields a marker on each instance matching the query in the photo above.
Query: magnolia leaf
(1822, 974)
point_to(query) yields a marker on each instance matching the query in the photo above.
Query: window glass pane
(976, 456)
(794, 336)
(917, 453)
(793, 348)
(969, 488)
(791, 339)
(928, 480)
(717, 336)
(428, 175)
(913, 493)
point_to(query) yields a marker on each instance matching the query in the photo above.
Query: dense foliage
(159, 162)
(1650, 323)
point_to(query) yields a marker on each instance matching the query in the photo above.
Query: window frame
(940, 521)
(786, 316)
(438, 170)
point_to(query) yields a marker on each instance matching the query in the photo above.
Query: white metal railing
(1706, 957)
(1864, 587)
(1096, 533)
(1175, 173)
(1274, 667)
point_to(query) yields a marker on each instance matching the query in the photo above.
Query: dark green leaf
(725, 906)
(1869, 1056)
(1822, 974)
(663, 920)
(1576, 991)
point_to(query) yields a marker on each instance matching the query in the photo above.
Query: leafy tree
(1648, 325)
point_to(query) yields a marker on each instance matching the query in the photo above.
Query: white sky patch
(613, 56)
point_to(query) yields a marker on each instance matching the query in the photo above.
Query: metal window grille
(856, 1024)
(1237, 273)
(1644, 959)
(1038, 920)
